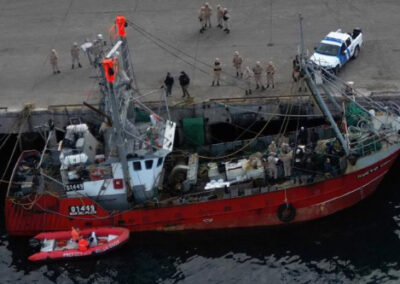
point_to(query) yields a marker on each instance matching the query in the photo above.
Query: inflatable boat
(93, 241)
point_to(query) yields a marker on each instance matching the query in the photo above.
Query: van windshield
(327, 49)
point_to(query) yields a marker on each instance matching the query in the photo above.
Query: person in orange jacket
(75, 234)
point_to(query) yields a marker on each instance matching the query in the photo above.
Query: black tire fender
(286, 212)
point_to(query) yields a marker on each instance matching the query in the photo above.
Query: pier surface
(260, 30)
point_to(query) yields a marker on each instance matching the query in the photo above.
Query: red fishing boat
(59, 245)
(133, 177)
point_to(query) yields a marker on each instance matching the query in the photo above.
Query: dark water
(358, 245)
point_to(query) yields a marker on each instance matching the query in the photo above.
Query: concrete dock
(260, 30)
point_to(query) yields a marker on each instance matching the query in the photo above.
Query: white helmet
(236, 53)
(206, 4)
(100, 36)
(75, 44)
(53, 50)
(258, 63)
(217, 59)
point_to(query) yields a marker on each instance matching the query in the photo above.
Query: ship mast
(316, 93)
(110, 64)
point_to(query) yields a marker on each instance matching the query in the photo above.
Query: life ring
(286, 212)
(96, 174)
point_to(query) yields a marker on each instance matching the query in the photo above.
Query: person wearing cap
(270, 70)
(237, 63)
(75, 55)
(207, 14)
(217, 71)
(247, 76)
(202, 19)
(54, 61)
(225, 17)
(220, 14)
(257, 70)
(184, 81)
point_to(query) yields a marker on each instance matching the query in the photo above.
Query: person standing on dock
(54, 61)
(207, 14)
(202, 20)
(220, 14)
(237, 63)
(184, 81)
(169, 82)
(270, 74)
(217, 71)
(225, 17)
(75, 55)
(247, 76)
(257, 70)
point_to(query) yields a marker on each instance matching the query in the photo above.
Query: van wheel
(356, 52)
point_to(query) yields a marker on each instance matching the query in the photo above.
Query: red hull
(310, 202)
(122, 233)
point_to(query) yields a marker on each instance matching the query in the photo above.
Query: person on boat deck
(93, 239)
(272, 148)
(303, 136)
(310, 169)
(273, 170)
(298, 165)
(286, 157)
(83, 244)
(75, 234)
(329, 168)
(314, 138)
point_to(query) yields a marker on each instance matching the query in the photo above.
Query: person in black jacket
(169, 82)
(314, 138)
(303, 136)
(184, 81)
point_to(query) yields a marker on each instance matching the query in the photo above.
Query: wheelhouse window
(159, 162)
(348, 42)
(149, 164)
(137, 166)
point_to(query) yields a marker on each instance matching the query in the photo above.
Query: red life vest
(121, 24)
(109, 69)
(83, 244)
